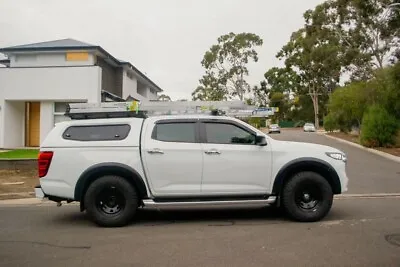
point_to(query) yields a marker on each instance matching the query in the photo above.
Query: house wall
(47, 59)
(81, 83)
(142, 89)
(46, 118)
(129, 85)
(109, 78)
(46, 85)
(151, 94)
(12, 126)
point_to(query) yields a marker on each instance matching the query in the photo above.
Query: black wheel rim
(110, 201)
(308, 197)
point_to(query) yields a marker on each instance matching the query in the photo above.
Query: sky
(165, 39)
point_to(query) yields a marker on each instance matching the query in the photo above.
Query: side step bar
(210, 204)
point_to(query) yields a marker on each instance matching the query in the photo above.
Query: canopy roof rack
(146, 109)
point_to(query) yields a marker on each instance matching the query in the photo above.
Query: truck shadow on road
(213, 217)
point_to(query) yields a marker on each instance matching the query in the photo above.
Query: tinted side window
(97, 132)
(183, 132)
(222, 133)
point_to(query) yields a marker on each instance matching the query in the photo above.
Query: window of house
(183, 132)
(224, 133)
(97, 132)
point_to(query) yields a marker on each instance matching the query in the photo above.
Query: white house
(37, 80)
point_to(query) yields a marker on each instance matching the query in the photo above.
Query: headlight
(337, 156)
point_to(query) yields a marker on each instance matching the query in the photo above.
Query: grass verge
(20, 154)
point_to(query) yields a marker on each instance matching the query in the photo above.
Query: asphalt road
(368, 173)
(357, 232)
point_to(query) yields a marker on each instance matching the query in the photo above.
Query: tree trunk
(241, 86)
(314, 98)
(316, 113)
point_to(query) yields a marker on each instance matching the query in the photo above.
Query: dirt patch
(394, 151)
(347, 137)
(17, 182)
(355, 139)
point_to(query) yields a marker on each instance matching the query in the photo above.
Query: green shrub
(256, 122)
(378, 128)
(330, 123)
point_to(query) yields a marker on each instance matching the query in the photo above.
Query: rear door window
(181, 132)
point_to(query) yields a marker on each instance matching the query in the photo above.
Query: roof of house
(72, 44)
(63, 43)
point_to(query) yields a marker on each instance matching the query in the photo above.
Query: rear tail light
(44, 160)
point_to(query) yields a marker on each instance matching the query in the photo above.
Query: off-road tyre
(111, 201)
(307, 197)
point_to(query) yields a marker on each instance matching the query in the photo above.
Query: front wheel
(111, 201)
(307, 197)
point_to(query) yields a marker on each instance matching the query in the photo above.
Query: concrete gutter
(374, 151)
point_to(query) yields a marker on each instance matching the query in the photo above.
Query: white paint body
(182, 169)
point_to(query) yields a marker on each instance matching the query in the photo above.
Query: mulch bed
(355, 139)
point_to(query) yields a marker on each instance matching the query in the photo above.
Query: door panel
(173, 159)
(34, 124)
(233, 164)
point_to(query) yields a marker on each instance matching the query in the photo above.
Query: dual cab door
(205, 158)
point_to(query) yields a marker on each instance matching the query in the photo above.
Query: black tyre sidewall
(102, 219)
(292, 209)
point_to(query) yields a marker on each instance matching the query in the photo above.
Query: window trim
(96, 125)
(203, 134)
(177, 121)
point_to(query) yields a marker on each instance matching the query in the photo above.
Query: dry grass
(28, 177)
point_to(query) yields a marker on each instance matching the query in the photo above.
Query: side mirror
(261, 140)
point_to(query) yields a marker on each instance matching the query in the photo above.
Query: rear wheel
(111, 201)
(307, 197)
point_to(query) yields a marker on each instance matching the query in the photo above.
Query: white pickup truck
(114, 166)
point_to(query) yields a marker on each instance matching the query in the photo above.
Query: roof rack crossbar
(155, 108)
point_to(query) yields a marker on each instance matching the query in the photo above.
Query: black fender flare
(307, 164)
(101, 169)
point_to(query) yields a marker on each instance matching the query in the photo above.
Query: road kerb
(374, 151)
(367, 196)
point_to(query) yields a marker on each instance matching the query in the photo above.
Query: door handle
(211, 152)
(155, 151)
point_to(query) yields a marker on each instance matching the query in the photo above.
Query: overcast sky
(166, 39)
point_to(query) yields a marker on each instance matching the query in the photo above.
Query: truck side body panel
(71, 158)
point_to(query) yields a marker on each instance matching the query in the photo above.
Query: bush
(378, 128)
(330, 123)
(256, 122)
